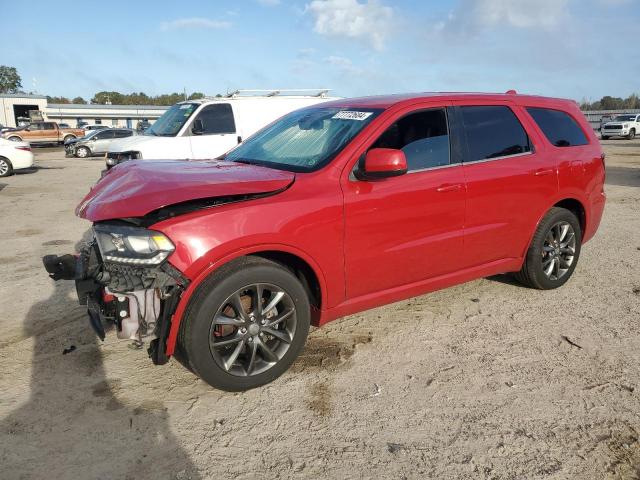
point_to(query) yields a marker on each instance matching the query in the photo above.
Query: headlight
(626, 125)
(132, 245)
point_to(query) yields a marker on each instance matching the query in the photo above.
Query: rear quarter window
(559, 127)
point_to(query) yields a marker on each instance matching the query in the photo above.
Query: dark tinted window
(493, 131)
(559, 128)
(422, 136)
(35, 126)
(48, 126)
(123, 133)
(217, 119)
(104, 135)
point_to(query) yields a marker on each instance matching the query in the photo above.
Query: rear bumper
(22, 160)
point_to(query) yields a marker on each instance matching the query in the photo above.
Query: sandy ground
(484, 380)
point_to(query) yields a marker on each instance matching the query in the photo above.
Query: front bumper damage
(139, 301)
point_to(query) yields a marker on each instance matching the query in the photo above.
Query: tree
(79, 101)
(196, 95)
(10, 81)
(57, 100)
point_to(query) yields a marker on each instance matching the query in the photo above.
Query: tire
(6, 169)
(604, 137)
(67, 137)
(234, 355)
(83, 152)
(534, 272)
(632, 134)
(15, 139)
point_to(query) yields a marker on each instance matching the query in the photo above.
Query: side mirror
(198, 127)
(382, 163)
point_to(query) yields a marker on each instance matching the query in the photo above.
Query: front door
(406, 229)
(218, 133)
(102, 140)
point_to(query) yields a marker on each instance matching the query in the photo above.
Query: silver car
(96, 142)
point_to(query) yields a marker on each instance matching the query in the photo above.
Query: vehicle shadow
(623, 176)
(75, 425)
(507, 279)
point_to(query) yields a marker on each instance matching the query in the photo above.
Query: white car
(207, 128)
(14, 156)
(627, 125)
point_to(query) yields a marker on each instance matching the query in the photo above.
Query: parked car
(14, 156)
(89, 128)
(622, 126)
(96, 142)
(206, 128)
(334, 209)
(43, 132)
(143, 125)
(64, 125)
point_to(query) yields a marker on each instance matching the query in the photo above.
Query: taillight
(26, 149)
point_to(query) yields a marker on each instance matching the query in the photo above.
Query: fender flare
(176, 318)
(559, 198)
(9, 137)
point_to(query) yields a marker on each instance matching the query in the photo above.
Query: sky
(580, 49)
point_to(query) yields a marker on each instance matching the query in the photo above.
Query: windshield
(170, 123)
(304, 140)
(624, 118)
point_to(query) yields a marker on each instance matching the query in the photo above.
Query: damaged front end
(123, 277)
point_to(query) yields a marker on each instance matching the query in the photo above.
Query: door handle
(542, 171)
(448, 187)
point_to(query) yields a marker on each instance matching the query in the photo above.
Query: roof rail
(307, 92)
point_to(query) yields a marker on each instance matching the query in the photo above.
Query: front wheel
(245, 325)
(554, 251)
(604, 137)
(632, 134)
(83, 152)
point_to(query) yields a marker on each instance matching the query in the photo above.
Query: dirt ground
(484, 380)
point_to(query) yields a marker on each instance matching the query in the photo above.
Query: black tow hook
(61, 267)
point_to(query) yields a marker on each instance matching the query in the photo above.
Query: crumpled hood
(136, 188)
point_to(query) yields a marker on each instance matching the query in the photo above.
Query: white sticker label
(185, 106)
(351, 115)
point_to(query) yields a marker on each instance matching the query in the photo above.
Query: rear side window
(493, 131)
(217, 118)
(123, 133)
(559, 128)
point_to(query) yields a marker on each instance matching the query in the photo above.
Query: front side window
(123, 133)
(559, 128)
(422, 136)
(217, 119)
(104, 134)
(304, 140)
(493, 131)
(48, 126)
(171, 121)
(34, 127)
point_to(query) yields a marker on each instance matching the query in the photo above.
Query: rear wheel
(15, 139)
(68, 138)
(245, 325)
(6, 168)
(632, 134)
(83, 152)
(554, 251)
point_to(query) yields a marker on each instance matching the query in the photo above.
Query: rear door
(49, 132)
(509, 179)
(406, 229)
(219, 131)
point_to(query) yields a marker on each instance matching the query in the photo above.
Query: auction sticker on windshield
(351, 115)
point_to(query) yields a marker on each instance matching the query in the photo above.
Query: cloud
(343, 64)
(482, 14)
(370, 22)
(195, 22)
(269, 3)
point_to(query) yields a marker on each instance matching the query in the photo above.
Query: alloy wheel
(558, 250)
(253, 329)
(4, 167)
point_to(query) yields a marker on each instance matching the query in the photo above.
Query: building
(19, 109)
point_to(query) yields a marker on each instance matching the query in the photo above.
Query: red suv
(331, 210)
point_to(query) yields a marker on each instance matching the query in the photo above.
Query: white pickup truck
(207, 128)
(627, 125)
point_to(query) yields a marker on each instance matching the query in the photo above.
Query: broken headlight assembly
(132, 245)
